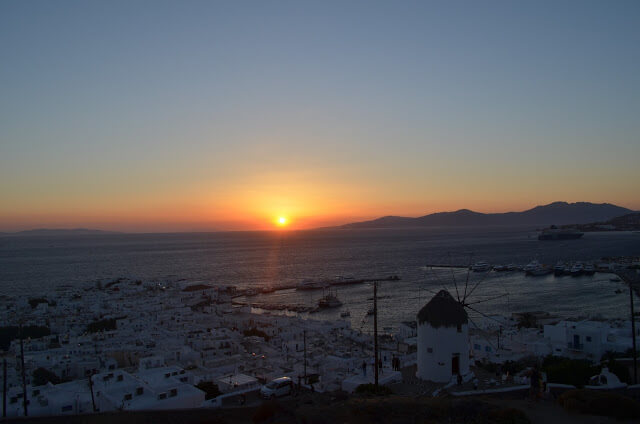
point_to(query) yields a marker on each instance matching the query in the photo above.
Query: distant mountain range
(628, 222)
(57, 232)
(557, 213)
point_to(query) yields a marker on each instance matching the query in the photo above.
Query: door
(455, 364)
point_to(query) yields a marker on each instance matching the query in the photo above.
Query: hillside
(627, 222)
(558, 213)
(46, 232)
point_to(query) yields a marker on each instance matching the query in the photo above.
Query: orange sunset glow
(216, 137)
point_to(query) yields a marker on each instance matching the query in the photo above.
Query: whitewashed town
(135, 345)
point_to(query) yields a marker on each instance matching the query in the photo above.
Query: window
(459, 328)
(139, 391)
(120, 377)
(162, 396)
(67, 408)
(476, 346)
(588, 338)
(128, 396)
(173, 392)
(429, 350)
(487, 348)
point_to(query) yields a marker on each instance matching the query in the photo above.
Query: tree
(42, 376)
(210, 389)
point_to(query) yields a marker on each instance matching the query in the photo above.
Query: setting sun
(282, 221)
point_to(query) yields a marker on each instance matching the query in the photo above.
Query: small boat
(250, 292)
(345, 314)
(534, 264)
(268, 289)
(481, 266)
(511, 267)
(559, 268)
(615, 279)
(539, 271)
(499, 268)
(329, 300)
(589, 269)
(577, 269)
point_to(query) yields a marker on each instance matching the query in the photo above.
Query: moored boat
(577, 269)
(481, 266)
(329, 300)
(534, 264)
(554, 233)
(589, 269)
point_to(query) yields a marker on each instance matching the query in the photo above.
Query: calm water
(35, 265)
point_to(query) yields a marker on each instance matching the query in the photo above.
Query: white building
(443, 339)
(587, 339)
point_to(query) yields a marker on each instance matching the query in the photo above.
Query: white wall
(443, 342)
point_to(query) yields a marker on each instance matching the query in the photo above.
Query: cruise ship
(554, 233)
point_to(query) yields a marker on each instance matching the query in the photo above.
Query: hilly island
(557, 213)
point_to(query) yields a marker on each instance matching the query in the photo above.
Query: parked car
(275, 388)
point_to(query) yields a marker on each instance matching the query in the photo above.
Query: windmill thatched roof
(443, 311)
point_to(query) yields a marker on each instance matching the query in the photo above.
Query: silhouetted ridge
(557, 213)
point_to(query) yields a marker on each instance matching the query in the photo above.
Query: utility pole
(93, 400)
(24, 378)
(4, 388)
(375, 331)
(633, 338)
(304, 338)
(629, 280)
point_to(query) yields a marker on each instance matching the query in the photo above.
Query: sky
(213, 115)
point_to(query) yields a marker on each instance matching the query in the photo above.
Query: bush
(34, 302)
(43, 376)
(210, 389)
(576, 372)
(8, 334)
(370, 389)
(102, 325)
(601, 403)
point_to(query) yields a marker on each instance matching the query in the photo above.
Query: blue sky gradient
(111, 111)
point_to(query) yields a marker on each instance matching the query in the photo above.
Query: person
(380, 365)
(534, 382)
(364, 368)
(459, 379)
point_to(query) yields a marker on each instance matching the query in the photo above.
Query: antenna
(375, 331)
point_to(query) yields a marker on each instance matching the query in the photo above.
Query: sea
(37, 266)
